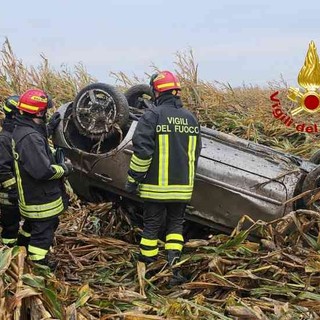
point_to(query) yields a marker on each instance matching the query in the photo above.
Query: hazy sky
(233, 41)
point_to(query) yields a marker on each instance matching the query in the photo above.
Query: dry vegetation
(96, 247)
(229, 277)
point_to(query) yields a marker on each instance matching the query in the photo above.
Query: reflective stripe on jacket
(166, 145)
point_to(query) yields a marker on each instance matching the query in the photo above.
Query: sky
(233, 41)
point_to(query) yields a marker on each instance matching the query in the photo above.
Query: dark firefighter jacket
(38, 177)
(8, 193)
(166, 146)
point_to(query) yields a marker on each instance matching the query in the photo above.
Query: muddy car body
(235, 177)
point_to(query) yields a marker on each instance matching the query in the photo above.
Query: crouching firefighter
(10, 216)
(38, 176)
(166, 146)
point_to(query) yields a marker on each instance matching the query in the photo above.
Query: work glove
(132, 187)
(67, 167)
(13, 196)
(53, 123)
(59, 156)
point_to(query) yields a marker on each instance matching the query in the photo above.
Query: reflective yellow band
(169, 188)
(42, 214)
(4, 195)
(9, 241)
(139, 161)
(174, 236)
(130, 179)
(28, 107)
(59, 172)
(4, 198)
(137, 168)
(5, 108)
(169, 84)
(17, 171)
(25, 233)
(42, 207)
(9, 183)
(36, 257)
(13, 102)
(166, 196)
(36, 250)
(149, 242)
(163, 159)
(173, 246)
(5, 202)
(192, 156)
(41, 210)
(149, 253)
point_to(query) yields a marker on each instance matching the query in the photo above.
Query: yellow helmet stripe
(28, 107)
(169, 84)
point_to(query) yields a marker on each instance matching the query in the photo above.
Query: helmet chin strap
(156, 96)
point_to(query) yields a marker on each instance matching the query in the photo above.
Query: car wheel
(139, 96)
(99, 109)
(311, 182)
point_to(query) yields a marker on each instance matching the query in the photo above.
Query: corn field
(96, 246)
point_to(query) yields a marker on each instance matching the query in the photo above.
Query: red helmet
(165, 81)
(34, 101)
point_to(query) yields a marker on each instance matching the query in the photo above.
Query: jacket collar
(8, 124)
(22, 121)
(170, 100)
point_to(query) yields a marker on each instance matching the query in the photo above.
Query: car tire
(311, 182)
(99, 109)
(137, 93)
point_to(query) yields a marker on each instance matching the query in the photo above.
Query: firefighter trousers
(10, 222)
(37, 236)
(153, 216)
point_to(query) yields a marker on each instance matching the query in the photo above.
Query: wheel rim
(96, 112)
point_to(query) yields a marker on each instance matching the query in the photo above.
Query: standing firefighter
(166, 145)
(38, 175)
(10, 216)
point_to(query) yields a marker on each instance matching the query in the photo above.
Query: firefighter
(166, 146)
(10, 216)
(38, 176)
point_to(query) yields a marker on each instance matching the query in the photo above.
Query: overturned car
(235, 177)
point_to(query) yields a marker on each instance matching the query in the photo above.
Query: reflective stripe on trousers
(9, 241)
(36, 253)
(174, 241)
(149, 247)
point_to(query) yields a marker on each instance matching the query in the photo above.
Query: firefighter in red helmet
(166, 146)
(38, 176)
(10, 216)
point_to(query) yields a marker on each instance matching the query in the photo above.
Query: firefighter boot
(147, 261)
(52, 265)
(173, 257)
(23, 241)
